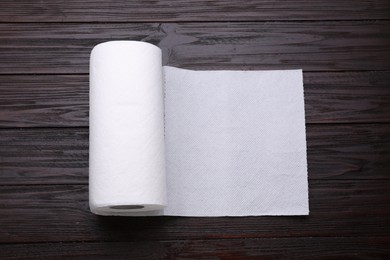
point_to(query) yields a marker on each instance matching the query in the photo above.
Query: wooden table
(344, 50)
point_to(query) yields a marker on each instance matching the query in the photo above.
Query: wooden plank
(314, 46)
(313, 247)
(60, 156)
(51, 213)
(348, 97)
(62, 100)
(197, 10)
(46, 156)
(348, 151)
(44, 100)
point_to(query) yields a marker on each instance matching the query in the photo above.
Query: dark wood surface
(195, 10)
(344, 49)
(312, 46)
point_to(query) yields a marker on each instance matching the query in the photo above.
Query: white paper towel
(234, 140)
(127, 162)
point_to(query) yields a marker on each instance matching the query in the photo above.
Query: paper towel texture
(235, 143)
(234, 140)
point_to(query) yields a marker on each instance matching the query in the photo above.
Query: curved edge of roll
(134, 43)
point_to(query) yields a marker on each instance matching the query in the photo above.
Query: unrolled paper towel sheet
(169, 141)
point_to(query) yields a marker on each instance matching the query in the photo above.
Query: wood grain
(62, 100)
(348, 97)
(313, 46)
(297, 247)
(54, 213)
(60, 156)
(344, 49)
(197, 10)
(44, 100)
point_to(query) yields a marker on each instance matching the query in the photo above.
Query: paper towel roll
(234, 140)
(127, 162)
